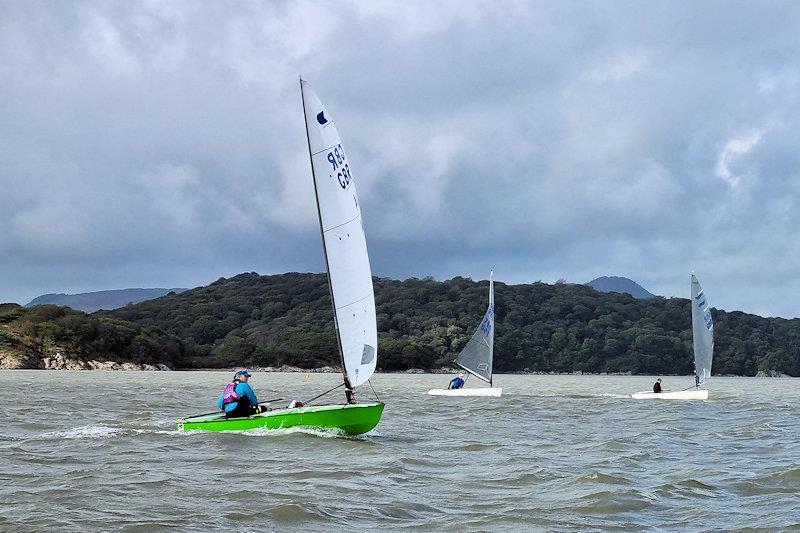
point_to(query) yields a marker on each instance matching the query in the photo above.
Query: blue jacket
(457, 383)
(242, 389)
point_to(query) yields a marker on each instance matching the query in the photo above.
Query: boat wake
(99, 431)
(325, 433)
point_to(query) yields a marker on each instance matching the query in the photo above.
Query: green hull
(352, 419)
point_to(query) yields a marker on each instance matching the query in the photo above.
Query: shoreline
(112, 366)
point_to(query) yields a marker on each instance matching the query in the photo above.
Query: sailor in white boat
(457, 382)
(657, 386)
(238, 398)
(696, 380)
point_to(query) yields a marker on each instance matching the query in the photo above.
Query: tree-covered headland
(423, 323)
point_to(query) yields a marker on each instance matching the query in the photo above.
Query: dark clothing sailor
(657, 386)
(238, 398)
(457, 382)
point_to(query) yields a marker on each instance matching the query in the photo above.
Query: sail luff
(702, 332)
(325, 248)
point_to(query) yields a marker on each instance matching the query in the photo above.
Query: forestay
(477, 355)
(344, 242)
(702, 332)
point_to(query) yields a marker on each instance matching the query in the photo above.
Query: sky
(162, 144)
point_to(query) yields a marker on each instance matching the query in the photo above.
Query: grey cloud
(162, 143)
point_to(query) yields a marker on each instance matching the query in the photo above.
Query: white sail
(344, 242)
(477, 355)
(702, 332)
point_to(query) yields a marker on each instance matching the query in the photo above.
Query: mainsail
(345, 246)
(702, 332)
(476, 357)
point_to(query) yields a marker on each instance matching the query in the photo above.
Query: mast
(491, 306)
(348, 391)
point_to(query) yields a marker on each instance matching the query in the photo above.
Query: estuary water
(98, 451)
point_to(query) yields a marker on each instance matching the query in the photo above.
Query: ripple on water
(614, 502)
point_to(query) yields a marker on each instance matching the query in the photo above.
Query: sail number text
(338, 161)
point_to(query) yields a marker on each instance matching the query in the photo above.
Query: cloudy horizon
(161, 144)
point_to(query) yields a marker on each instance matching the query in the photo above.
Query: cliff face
(13, 361)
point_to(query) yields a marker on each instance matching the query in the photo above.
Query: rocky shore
(60, 361)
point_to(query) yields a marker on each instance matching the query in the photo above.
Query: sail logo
(486, 325)
(321, 118)
(708, 320)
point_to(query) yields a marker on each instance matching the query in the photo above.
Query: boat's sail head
(477, 356)
(702, 332)
(345, 245)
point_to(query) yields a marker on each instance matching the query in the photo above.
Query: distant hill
(619, 284)
(90, 302)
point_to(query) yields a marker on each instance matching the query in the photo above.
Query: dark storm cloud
(162, 144)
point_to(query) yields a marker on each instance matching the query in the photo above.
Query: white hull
(691, 394)
(486, 391)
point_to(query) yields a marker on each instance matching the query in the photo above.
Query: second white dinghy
(703, 344)
(477, 356)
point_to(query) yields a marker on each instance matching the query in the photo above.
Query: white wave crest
(83, 432)
(318, 432)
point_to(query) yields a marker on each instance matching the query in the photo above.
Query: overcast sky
(161, 144)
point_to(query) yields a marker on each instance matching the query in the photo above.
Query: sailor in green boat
(238, 399)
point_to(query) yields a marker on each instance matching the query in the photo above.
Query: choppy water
(88, 451)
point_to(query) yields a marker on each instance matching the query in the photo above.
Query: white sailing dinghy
(477, 356)
(703, 343)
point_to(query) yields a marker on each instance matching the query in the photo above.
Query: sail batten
(344, 243)
(702, 332)
(477, 356)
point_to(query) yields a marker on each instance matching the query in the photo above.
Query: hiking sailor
(457, 382)
(238, 398)
(657, 386)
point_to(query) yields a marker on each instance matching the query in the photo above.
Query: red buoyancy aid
(229, 395)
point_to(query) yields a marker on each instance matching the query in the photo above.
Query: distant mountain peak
(90, 302)
(620, 284)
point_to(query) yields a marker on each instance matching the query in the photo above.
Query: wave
(326, 433)
(599, 477)
(784, 482)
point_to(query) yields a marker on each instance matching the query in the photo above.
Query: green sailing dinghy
(352, 419)
(350, 284)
